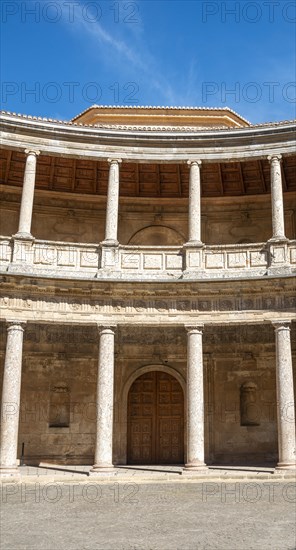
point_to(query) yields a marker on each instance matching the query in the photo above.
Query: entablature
(145, 146)
(26, 298)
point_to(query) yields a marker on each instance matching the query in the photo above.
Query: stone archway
(157, 235)
(155, 419)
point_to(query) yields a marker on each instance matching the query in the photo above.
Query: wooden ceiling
(146, 180)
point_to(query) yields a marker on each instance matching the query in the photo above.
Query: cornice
(146, 145)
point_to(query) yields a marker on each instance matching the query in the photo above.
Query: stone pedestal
(105, 388)
(193, 260)
(111, 229)
(10, 407)
(109, 259)
(285, 397)
(195, 400)
(26, 211)
(279, 257)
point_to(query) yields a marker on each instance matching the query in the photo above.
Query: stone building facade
(148, 305)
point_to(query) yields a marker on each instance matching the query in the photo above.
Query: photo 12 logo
(248, 92)
(71, 92)
(270, 11)
(70, 12)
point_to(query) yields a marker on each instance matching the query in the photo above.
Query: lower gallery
(67, 408)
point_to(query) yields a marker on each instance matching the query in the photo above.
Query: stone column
(26, 211)
(285, 396)
(111, 237)
(194, 225)
(277, 204)
(195, 399)
(105, 401)
(10, 408)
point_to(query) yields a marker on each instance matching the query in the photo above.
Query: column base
(193, 244)
(278, 239)
(195, 467)
(110, 242)
(24, 235)
(97, 470)
(286, 466)
(9, 472)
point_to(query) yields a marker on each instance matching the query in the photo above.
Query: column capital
(281, 325)
(106, 329)
(194, 162)
(15, 325)
(195, 329)
(32, 152)
(275, 157)
(114, 161)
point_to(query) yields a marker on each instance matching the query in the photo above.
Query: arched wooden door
(156, 420)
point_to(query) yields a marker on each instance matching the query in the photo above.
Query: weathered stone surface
(278, 224)
(104, 401)
(10, 405)
(285, 397)
(26, 210)
(195, 399)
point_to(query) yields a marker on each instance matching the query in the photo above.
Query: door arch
(155, 420)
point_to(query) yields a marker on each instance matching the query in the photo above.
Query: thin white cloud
(138, 56)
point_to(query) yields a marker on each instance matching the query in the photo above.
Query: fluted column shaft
(277, 203)
(111, 236)
(26, 211)
(194, 222)
(195, 399)
(285, 396)
(10, 407)
(104, 399)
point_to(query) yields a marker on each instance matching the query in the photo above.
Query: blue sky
(60, 57)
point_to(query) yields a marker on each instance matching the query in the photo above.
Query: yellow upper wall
(161, 116)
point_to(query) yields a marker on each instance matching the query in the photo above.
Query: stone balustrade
(76, 260)
(57, 259)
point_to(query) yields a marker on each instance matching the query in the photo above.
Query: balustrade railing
(76, 260)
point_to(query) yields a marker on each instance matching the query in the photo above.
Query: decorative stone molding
(93, 142)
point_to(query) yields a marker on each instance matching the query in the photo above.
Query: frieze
(150, 306)
(81, 339)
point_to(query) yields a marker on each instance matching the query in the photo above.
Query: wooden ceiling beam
(241, 176)
(8, 162)
(137, 179)
(94, 185)
(220, 179)
(73, 175)
(262, 177)
(51, 172)
(158, 183)
(179, 180)
(285, 186)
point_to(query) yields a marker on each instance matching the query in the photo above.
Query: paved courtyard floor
(40, 513)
